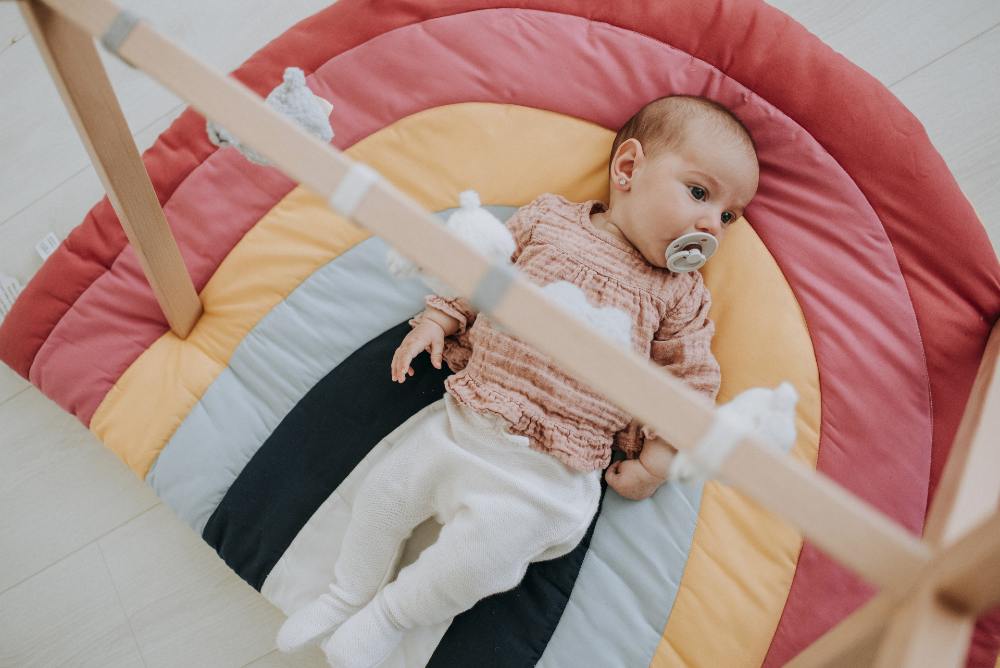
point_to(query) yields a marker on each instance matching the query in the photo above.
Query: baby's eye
(698, 192)
(727, 217)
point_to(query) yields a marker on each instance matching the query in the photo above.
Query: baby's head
(681, 164)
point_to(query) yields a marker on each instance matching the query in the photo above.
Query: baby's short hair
(661, 124)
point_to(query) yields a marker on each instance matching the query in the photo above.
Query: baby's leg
(393, 499)
(473, 557)
(387, 508)
(477, 554)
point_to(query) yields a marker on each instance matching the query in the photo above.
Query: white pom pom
(785, 396)
(294, 77)
(473, 224)
(294, 99)
(468, 199)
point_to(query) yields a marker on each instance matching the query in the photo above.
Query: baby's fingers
(400, 361)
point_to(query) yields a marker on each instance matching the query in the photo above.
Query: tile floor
(93, 569)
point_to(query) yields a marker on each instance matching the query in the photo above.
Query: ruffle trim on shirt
(455, 307)
(563, 442)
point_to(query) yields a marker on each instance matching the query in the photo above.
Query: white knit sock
(310, 622)
(365, 640)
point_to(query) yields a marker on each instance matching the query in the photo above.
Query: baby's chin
(658, 260)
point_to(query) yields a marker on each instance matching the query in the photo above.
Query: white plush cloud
(612, 322)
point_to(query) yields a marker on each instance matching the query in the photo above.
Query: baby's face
(703, 186)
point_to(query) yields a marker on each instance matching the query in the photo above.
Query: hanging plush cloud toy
(610, 321)
(292, 98)
(762, 412)
(474, 225)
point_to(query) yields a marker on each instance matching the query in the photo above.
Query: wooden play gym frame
(931, 589)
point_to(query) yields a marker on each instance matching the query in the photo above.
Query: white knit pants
(502, 506)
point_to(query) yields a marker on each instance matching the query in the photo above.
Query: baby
(509, 461)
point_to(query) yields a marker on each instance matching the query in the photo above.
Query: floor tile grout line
(82, 547)
(89, 165)
(118, 595)
(255, 660)
(16, 394)
(13, 40)
(46, 194)
(943, 56)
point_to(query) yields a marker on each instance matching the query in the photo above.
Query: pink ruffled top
(498, 373)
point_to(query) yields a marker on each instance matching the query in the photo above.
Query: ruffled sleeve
(458, 308)
(522, 222)
(683, 343)
(629, 440)
(683, 346)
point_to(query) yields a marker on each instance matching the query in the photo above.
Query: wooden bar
(83, 84)
(968, 573)
(823, 511)
(936, 628)
(960, 582)
(853, 642)
(936, 623)
(968, 492)
(800, 495)
(924, 632)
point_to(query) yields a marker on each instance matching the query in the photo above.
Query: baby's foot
(310, 622)
(365, 640)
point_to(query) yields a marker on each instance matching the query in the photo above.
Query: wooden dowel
(969, 490)
(968, 573)
(924, 632)
(935, 629)
(822, 511)
(76, 68)
(853, 642)
(961, 581)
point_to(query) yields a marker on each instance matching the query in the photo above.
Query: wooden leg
(925, 632)
(930, 632)
(76, 68)
(853, 642)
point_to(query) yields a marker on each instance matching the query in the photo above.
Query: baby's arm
(682, 346)
(429, 331)
(448, 323)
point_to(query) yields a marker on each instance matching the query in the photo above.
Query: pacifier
(689, 252)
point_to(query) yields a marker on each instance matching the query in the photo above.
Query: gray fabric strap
(352, 189)
(119, 30)
(492, 287)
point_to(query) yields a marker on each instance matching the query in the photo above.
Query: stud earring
(622, 181)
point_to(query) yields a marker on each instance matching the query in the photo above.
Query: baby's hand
(427, 335)
(632, 480)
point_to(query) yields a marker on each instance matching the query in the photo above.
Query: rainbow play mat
(861, 274)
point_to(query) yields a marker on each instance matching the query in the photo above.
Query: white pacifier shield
(690, 252)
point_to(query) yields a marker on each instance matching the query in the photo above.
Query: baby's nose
(709, 225)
